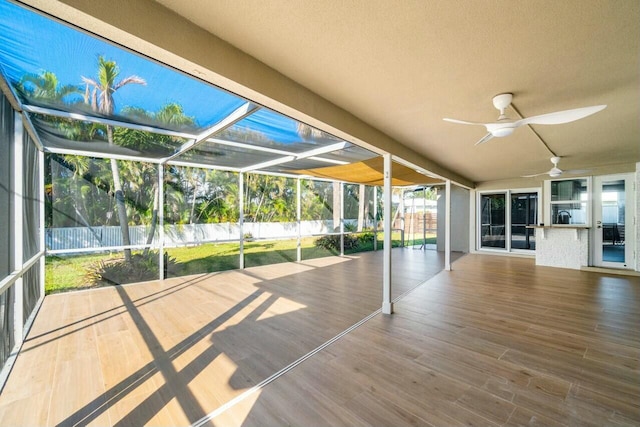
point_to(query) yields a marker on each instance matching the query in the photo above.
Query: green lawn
(64, 273)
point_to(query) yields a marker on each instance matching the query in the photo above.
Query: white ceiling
(402, 66)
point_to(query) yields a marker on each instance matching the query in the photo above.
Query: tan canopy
(370, 172)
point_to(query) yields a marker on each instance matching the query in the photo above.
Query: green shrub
(366, 237)
(332, 242)
(143, 267)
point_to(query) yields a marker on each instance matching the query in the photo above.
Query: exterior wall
(459, 219)
(637, 219)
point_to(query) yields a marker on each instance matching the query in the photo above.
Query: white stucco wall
(562, 247)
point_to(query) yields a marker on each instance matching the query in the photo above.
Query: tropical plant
(332, 242)
(140, 268)
(45, 87)
(99, 93)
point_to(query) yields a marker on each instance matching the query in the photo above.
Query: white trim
(595, 233)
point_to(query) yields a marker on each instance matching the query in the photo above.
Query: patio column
(341, 219)
(41, 219)
(299, 219)
(387, 305)
(18, 228)
(375, 218)
(447, 226)
(161, 221)
(241, 216)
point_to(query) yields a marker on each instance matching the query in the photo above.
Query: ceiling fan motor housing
(502, 101)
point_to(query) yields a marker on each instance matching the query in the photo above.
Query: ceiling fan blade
(485, 138)
(535, 174)
(560, 117)
(578, 171)
(462, 122)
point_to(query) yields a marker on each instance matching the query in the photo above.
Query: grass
(64, 273)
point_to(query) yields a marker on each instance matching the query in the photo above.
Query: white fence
(70, 238)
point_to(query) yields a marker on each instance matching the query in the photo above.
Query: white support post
(299, 219)
(18, 226)
(241, 216)
(161, 262)
(342, 219)
(41, 219)
(447, 226)
(375, 218)
(387, 305)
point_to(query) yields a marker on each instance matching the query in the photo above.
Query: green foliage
(332, 242)
(366, 237)
(143, 267)
(350, 227)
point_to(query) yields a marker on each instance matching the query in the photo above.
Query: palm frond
(128, 80)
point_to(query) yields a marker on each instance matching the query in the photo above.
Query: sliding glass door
(504, 218)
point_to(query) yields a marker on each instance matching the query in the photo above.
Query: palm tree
(46, 87)
(102, 102)
(311, 133)
(169, 114)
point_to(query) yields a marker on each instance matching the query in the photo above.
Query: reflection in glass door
(612, 225)
(524, 212)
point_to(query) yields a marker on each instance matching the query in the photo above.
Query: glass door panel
(492, 233)
(524, 212)
(612, 222)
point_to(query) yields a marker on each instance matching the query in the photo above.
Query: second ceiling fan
(504, 126)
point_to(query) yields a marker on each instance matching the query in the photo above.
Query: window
(569, 202)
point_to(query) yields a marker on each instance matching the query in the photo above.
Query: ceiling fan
(555, 171)
(504, 126)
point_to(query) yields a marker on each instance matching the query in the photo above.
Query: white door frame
(597, 230)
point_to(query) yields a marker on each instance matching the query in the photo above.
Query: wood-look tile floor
(496, 342)
(168, 353)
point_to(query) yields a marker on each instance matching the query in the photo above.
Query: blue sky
(31, 43)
